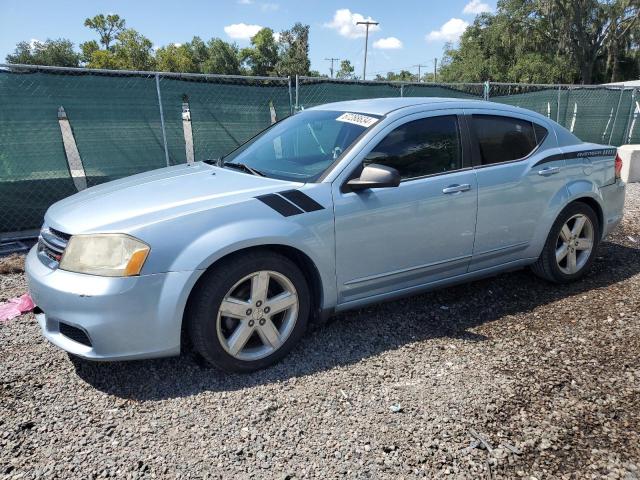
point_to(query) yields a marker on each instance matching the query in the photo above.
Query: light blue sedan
(336, 207)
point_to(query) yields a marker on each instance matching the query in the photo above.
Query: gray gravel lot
(548, 376)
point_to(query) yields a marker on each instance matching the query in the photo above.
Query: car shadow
(353, 336)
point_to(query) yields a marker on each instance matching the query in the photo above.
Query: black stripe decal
(279, 204)
(606, 152)
(302, 200)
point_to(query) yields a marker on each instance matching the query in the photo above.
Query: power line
(367, 24)
(331, 60)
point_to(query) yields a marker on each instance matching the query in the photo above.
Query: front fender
(314, 239)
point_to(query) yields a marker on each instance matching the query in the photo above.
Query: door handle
(549, 171)
(456, 188)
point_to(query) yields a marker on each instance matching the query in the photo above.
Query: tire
(567, 270)
(249, 343)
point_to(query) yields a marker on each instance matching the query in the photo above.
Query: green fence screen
(120, 122)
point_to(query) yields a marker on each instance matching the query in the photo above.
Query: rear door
(520, 172)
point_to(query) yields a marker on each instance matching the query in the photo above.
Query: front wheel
(570, 248)
(248, 312)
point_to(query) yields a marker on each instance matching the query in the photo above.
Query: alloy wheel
(257, 315)
(574, 244)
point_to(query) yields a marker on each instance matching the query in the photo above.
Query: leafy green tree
(104, 59)
(199, 53)
(262, 56)
(58, 52)
(175, 58)
(108, 27)
(131, 51)
(88, 49)
(403, 76)
(548, 41)
(346, 70)
(222, 58)
(294, 51)
(134, 51)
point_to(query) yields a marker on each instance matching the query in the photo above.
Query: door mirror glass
(375, 176)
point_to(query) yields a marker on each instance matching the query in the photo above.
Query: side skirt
(466, 277)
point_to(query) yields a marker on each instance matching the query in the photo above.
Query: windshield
(303, 146)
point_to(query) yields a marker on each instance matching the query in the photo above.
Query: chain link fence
(63, 130)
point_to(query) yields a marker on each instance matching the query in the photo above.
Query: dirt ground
(501, 378)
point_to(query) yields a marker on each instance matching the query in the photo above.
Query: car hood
(131, 202)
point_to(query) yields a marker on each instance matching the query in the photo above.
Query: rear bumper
(613, 205)
(123, 318)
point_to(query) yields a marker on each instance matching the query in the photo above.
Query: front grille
(52, 243)
(75, 334)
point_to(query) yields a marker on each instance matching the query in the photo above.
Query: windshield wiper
(244, 167)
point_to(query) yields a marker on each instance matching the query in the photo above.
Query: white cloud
(269, 7)
(449, 32)
(475, 7)
(241, 31)
(245, 2)
(276, 36)
(389, 43)
(344, 22)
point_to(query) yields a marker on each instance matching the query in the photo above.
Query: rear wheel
(249, 311)
(571, 245)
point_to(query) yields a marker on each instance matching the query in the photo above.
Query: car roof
(384, 106)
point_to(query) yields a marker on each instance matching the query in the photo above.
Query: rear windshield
(303, 146)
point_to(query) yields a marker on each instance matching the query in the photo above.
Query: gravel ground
(548, 376)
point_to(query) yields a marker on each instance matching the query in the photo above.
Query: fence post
(613, 127)
(558, 112)
(164, 133)
(628, 131)
(297, 90)
(402, 90)
(487, 87)
(290, 96)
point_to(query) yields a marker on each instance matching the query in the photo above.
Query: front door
(392, 239)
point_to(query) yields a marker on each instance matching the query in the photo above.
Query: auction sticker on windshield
(357, 119)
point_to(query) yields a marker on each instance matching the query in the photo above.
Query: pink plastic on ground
(16, 306)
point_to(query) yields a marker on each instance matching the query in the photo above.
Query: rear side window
(503, 139)
(421, 147)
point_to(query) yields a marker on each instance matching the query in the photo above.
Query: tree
(175, 58)
(262, 56)
(548, 41)
(133, 51)
(294, 51)
(108, 27)
(403, 76)
(199, 53)
(346, 70)
(58, 53)
(88, 49)
(222, 58)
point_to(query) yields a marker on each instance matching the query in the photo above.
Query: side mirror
(375, 176)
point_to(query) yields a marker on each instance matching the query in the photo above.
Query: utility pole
(331, 60)
(366, 45)
(435, 69)
(419, 66)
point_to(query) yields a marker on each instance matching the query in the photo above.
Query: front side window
(421, 147)
(303, 146)
(503, 139)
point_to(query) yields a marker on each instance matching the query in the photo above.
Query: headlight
(109, 255)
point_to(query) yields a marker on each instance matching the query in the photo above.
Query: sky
(411, 32)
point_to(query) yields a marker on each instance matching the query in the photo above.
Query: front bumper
(124, 318)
